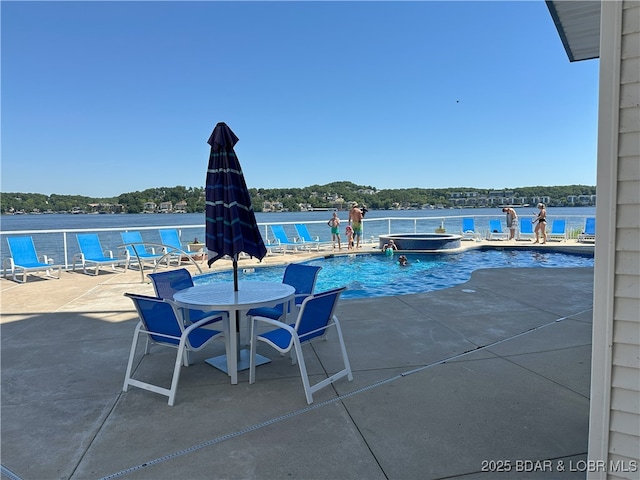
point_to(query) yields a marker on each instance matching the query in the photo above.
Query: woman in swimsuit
(541, 225)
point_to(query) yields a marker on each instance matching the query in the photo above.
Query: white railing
(57, 243)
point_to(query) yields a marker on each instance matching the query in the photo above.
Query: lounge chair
(316, 315)
(307, 240)
(174, 250)
(25, 259)
(558, 230)
(526, 229)
(469, 230)
(137, 252)
(160, 322)
(92, 255)
(282, 240)
(495, 231)
(589, 234)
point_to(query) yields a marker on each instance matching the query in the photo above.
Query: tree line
(332, 195)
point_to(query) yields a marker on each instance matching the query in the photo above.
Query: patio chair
(92, 255)
(526, 229)
(23, 258)
(307, 240)
(166, 284)
(469, 230)
(302, 278)
(558, 230)
(160, 322)
(282, 240)
(316, 315)
(174, 250)
(137, 252)
(589, 233)
(495, 231)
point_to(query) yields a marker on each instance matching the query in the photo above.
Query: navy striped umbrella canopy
(231, 226)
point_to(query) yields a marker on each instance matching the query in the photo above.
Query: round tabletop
(221, 296)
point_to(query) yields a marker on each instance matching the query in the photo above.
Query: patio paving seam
(315, 406)
(507, 359)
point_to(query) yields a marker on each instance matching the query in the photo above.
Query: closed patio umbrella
(230, 222)
(231, 226)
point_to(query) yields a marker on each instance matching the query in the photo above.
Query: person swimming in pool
(402, 261)
(391, 245)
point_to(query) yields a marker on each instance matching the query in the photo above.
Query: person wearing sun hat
(355, 220)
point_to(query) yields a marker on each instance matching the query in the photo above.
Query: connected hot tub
(422, 242)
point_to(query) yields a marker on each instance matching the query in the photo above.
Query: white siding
(624, 420)
(614, 434)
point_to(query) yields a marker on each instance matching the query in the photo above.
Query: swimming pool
(377, 275)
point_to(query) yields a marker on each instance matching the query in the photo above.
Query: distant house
(166, 207)
(181, 207)
(150, 207)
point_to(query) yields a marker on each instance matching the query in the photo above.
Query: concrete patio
(459, 383)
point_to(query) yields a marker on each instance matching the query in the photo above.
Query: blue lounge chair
(469, 230)
(92, 255)
(526, 229)
(495, 231)
(316, 315)
(558, 230)
(160, 322)
(307, 240)
(137, 252)
(282, 240)
(589, 233)
(174, 250)
(25, 259)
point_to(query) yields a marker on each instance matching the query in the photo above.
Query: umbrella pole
(235, 289)
(235, 273)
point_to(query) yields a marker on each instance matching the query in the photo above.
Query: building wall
(614, 434)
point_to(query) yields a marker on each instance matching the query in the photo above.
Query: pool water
(376, 275)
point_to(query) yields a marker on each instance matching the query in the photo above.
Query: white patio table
(221, 296)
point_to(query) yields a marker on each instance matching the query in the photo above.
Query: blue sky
(102, 98)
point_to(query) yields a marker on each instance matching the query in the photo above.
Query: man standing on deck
(512, 221)
(355, 220)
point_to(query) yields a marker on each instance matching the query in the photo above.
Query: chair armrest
(275, 323)
(8, 264)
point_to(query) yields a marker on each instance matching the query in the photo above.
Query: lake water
(54, 234)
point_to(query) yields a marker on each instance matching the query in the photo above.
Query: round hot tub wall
(422, 241)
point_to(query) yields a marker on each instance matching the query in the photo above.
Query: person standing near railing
(541, 224)
(512, 221)
(355, 220)
(334, 223)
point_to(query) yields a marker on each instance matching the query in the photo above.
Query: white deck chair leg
(134, 345)
(303, 371)
(176, 371)
(343, 348)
